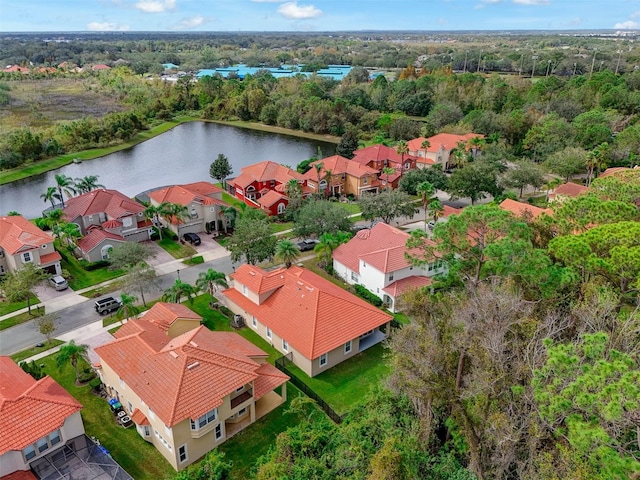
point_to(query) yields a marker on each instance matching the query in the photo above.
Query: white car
(58, 282)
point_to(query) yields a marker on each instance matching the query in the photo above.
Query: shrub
(95, 383)
(90, 266)
(365, 294)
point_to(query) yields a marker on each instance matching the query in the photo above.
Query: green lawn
(139, 458)
(9, 307)
(281, 227)
(350, 207)
(80, 278)
(21, 318)
(30, 352)
(344, 386)
(176, 249)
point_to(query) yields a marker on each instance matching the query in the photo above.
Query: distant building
(347, 177)
(439, 149)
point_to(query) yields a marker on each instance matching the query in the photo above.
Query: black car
(192, 238)
(306, 245)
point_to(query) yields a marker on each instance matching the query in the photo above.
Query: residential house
(106, 218)
(376, 258)
(314, 322)
(341, 176)
(263, 185)
(21, 242)
(380, 156)
(567, 190)
(190, 393)
(204, 204)
(37, 419)
(439, 149)
(520, 209)
(173, 318)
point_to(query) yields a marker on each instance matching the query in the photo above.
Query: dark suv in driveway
(192, 238)
(306, 245)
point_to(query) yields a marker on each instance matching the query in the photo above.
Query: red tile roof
(339, 165)
(378, 153)
(257, 280)
(50, 258)
(30, 409)
(616, 170)
(448, 141)
(194, 371)
(139, 418)
(164, 315)
(20, 475)
(113, 203)
(18, 234)
(383, 247)
(520, 209)
(312, 314)
(92, 239)
(270, 198)
(447, 210)
(199, 192)
(264, 172)
(409, 283)
(570, 189)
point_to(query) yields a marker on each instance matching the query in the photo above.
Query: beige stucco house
(341, 176)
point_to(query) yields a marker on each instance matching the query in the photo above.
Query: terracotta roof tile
(270, 198)
(195, 371)
(139, 418)
(339, 165)
(163, 315)
(20, 475)
(30, 409)
(199, 192)
(409, 283)
(570, 189)
(264, 172)
(447, 210)
(18, 234)
(378, 153)
(92, 239)
(269, 378)
(257, 280)
(111, 202)
(448, 141)
(519, 208)
(311, 313)
(50, 258)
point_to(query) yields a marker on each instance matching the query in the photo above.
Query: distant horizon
(313, 16)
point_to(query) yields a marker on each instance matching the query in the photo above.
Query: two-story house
(21, 242)
(204, 204)
(311, 320)
(380, 157)
(376, 259)
(341, 176)
(438, 148)
(37, 419)
(188, 394)
(106, 218)
(263, 185)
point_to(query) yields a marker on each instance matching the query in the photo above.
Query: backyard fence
(281, 364)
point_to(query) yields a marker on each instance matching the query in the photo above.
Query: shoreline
(44, 166)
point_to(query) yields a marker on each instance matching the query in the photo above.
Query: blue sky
(315, 15)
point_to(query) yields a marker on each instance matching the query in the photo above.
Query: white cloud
(106, 27)
(628, 25)
(298, 12)
(189, 23)
(155, 6)
(531, 2)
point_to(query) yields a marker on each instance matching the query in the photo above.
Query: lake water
(181, 155)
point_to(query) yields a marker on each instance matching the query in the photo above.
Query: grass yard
(9, 307)
(21, 318)
(30, 352)
(351, 208)
(348, 383)
(80, 278)
(176, 249)
(139, 458)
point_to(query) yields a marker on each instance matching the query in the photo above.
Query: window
(194, 213)
(29, 452)
(42, 445)
(281, 207)
(218, 431)
(323, 360)
(44, 247)
(127, 222)
(354, 276)
(152, 415)
(323, 184)
(240, 388)
(242, 411)
(268, 332)
(344, 177)
(147, 430)
(347, 347)
(254, 322)
(244, 289)
(104, 252)
(365, 180)
(285, 345)
(390, 277)
(26, 257)
(204, 420)
(272, 183)
(54, 438)
(130, 407)
(182, 453)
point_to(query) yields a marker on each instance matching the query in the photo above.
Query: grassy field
(21, 318)
(9, 307)
(30, 352)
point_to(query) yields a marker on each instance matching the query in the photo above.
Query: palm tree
(173, 212)
(388, 171)
(210, 281)
(401, 149)
(64, 184)
(426, 191)
(476, 144)
(596, 160)
(50, 195)
(425, 145)
(287, 252)
(71, 352)
(292, 189)
(154, 213)
(551, 185)
(328, 243)
(179, 289)
(230, 215)
(127, 308)
(87, 184)
(436, 208)
(318, 166)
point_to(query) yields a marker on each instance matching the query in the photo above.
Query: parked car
(431, 224)
(107, 305)
(192, 238)
(58, 282)
(308, 244)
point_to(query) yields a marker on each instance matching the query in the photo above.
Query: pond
(181, 155)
